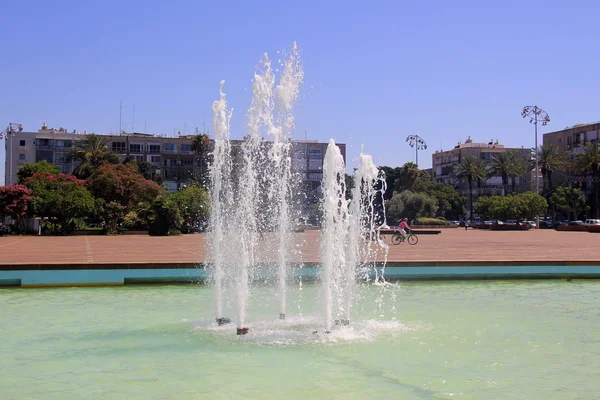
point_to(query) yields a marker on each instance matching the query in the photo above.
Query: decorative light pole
(8, 133)
(418, 143)
(535, 115)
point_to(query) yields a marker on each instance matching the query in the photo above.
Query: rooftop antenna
(133, 122)
(144, 126)
(121, 117)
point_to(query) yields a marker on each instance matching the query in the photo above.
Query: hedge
(430, 221)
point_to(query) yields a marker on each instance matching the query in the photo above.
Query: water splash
(221, 195)
(333, 232)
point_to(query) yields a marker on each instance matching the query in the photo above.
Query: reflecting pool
(417, 340)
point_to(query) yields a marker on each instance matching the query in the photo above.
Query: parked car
(576, 223)
(592, 222)
(547, 225)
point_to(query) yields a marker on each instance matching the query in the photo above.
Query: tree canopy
(27, 170)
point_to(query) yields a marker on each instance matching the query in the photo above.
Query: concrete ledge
(60, 276)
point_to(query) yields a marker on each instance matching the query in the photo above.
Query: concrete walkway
(451, 246)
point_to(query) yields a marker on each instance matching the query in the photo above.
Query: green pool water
(447, 340)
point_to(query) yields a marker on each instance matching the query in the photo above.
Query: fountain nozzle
(282, 316)
(342, 322)
(242, 331)
(223, 321)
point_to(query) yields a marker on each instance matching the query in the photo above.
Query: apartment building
(571, 141)
(171, 157)
(444, 162)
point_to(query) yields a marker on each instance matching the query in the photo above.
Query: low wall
(121, 274)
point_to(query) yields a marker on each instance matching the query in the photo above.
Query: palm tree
(550, 161)
(519, 168)
(501, 165)
(200, 146)
(92, 151)
(589, 162)
(508, 164)
(470, 169)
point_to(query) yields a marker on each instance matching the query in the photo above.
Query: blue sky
(375, 72)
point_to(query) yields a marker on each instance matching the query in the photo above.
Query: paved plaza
(452, 245)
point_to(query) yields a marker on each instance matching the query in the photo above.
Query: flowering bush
(15, 201)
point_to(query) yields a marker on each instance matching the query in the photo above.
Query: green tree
(165, 218)
(123, 184)
(522, 206)
(588, 162)
(145, 169)
(349, 180)
(409, 175)
(529, 205)
(470, 169)
(395, 209)
(501, 165)
(411, 205)
(28, 170)
(508, 164)
(15, 201)
(193, 204)
(91, 151)
(569, 201)
(520, 167)
(451, 205)
(60, 199)
(550, 161)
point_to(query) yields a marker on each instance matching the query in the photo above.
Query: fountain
(252, 194)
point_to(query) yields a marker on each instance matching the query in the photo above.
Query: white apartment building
(171, 157)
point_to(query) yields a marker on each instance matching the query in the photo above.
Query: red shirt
(403, 224)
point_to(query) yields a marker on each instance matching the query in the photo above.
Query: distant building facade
(171, 157)
(444, 162)
(571, 142)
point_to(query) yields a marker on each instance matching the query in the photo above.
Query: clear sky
(375, 72)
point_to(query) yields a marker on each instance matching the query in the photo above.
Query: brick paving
(452, 245)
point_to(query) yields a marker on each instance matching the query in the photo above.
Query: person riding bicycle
(403, 226)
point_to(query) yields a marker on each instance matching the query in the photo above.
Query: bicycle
(410, 237)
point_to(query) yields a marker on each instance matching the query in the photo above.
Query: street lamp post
(7, 134)
(418, 143)
(535, 115)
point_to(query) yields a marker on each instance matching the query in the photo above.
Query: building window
(21, 157)
(135, 148)
(187, 161)
(61, 144)
(170, 147)
(21, 143)
(486, 156)
(314, 177)
(118, 147)
(314, 153)
(138, 158)
(47, 155)
(186, 148)
(155, 159)
(44, 143)
(154, 148)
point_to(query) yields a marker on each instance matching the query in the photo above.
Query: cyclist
(404, 225)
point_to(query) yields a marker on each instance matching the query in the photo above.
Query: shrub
(430, 221)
